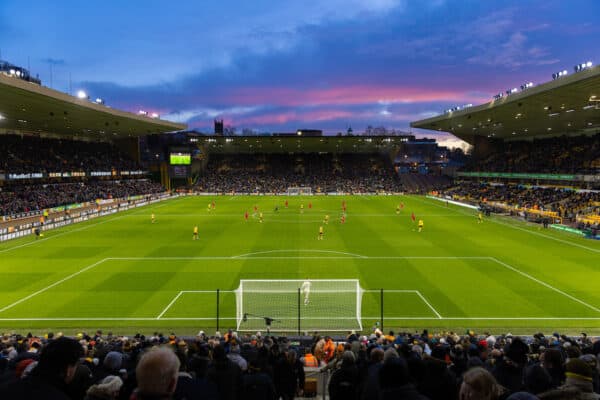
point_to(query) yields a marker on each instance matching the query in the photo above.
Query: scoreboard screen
(180, 158)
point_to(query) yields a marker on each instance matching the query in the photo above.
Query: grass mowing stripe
(52, 285)
(545, 284)
(525, 230)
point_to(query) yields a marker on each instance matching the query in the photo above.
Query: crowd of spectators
(275, 173)
(443, 366)
(30, 154)
(15, 199)
(567, 203)
(575, 155)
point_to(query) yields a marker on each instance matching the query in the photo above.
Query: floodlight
(154, 115)
(12, 71)
(99, 100)
(1, 117)
(588, 64)
(81, 94)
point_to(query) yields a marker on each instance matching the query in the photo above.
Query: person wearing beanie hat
(591, 360)
(107, 389)
(509, 369)
(579, 376)
(110, 366)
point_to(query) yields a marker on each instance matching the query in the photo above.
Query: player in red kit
(286, 204)
(343, 220)
(246, 215)
(309, 206)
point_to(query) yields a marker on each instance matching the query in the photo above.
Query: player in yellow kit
(326, 220)
(260, 217)
(479, 218)
(320, 233)
(420, 225)
(153, 218)
(195, 236)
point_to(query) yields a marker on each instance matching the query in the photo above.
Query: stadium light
(142, 112)
(81, 94)
(1, 117)
(560, 74)
(582, 66)
(99, 101)
(155, 115)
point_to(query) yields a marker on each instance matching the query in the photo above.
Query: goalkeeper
(305, 290)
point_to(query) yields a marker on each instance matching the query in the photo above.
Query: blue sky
(277, 66)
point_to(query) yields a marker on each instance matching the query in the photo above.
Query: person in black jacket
(343, 384)
(49, 379)
(226, 375)
(257, 384)
(394, 381)
(289, 375)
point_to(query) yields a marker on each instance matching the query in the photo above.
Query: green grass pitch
(126, 274)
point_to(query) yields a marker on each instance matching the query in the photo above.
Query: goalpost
(286, 305)
(299, 190)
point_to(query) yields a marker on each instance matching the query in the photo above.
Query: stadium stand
(18, 199)
(564, 154)
(274, 173)
(25, 154)
(446, 365)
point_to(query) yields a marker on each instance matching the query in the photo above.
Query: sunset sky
(281, 65)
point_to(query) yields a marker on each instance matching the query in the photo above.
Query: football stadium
(300, 263)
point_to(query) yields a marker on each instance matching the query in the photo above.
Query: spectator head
(108, 388)
(157, 372)
(377, 355)
(59, 359)
(393, 373)
(516, 351)
(551, 358)
(479, 384)
(537, 379)
(113, 361)
(348, 358)
(578, 371)
(389, 354)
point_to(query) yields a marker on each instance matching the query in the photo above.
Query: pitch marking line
(494, 220)
(82, 228)
(248, 255)
(189, 291)
(544, 284)
(169, 305)
(405, 291)
(429, 305)
(245, 256)
(53, 284)
(233, 318)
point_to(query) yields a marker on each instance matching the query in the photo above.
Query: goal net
(299, 305)
(297, 191)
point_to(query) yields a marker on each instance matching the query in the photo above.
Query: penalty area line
(505, 265)
(53, 284)
(169, 305)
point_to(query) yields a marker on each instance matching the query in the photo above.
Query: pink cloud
(357, 94)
